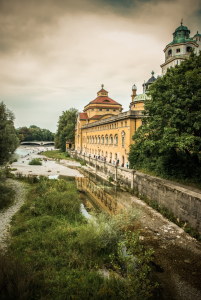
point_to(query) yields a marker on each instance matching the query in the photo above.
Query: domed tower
(138, 100)
(179, 48)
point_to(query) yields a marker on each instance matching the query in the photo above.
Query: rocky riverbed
(6, 215)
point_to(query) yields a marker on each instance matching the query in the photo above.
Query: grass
(64, 251)
(35, 161)
(187, 182)
(7, 194)
(57, 154)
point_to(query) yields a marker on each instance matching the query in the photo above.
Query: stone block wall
(183, 202)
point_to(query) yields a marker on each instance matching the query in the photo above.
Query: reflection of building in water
(101, 198)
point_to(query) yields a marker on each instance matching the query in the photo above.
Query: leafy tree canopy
(66, 128)
(35, 133)
(8, 136)
(169, 141)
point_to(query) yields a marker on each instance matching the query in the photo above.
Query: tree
(66, 129)
(169, 141)
(8, 136)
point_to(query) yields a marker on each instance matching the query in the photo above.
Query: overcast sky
(55, 54)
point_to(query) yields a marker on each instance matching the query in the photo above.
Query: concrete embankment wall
(184, 203)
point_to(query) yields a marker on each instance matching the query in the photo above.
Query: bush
(35, 161)
(67, 154)
(110, 179)
(16, 280)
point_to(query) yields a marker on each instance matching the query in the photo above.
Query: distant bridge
(39, 143)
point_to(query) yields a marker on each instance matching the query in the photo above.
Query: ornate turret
(134, 90)
(151, 80)
(180, 48)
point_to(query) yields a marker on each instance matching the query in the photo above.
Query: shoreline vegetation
(62, 255)
(57, 154)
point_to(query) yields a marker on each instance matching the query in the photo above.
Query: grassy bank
(7, 194)
(62, 253)
(58, 154)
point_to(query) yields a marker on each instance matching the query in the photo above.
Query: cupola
(102, 92)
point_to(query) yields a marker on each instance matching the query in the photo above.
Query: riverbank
(67, 255)
(49, 166)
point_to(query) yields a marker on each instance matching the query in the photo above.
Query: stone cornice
(130, 114)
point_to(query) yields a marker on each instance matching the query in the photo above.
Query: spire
(152, 73)
(102, 85)
(181, 21)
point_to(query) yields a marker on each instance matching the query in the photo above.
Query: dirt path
(6, 215)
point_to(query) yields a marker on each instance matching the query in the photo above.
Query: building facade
(180, 48)
(104, 131)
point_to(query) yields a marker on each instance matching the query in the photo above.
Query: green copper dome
(181, 35)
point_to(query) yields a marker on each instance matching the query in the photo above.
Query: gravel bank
(6, 215)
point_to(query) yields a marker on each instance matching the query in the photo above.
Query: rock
(49, 170)
(187, 261)
(58, 171)
(194, 273)
(141, 238)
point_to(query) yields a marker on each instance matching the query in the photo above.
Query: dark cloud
(57, 53)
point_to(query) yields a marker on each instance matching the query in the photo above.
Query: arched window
(96, 140)
(92, 139)
(111, 140)
(99, 139)
(188, 49)
(106, 140)
(123, 139)
(106, 153)
(102, 139)
(116, 139)
(170, 52)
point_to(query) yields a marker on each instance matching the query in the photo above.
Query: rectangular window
(125, 123)
(107, 109)
(100, 109)
(121, 124)
(92, 109)
(178, 50)
(114, 109)
(115, 125)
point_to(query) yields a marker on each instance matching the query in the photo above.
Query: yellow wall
(87, 140)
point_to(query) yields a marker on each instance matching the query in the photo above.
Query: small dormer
(102, 92)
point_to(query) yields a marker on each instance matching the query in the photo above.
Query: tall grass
(66, 250)
(7, 194)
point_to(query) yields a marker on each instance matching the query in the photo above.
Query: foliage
(35, 161)
(132, 261)
(110, 179)
(169, 141)
(8, 137)
(34, 133)
(6, 193)
(66, 129)
(66, 250)
(16, 280)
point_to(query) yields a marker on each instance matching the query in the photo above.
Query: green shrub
(35, 161)
(110, 179)
(16, 280)
(67, 154)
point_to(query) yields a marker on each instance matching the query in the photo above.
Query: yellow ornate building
(103, 130)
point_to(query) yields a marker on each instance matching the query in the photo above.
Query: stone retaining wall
(184, 203)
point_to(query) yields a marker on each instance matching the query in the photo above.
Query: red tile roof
(83, 116)
(104, 100)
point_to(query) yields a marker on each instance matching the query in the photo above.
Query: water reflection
(101, 194)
